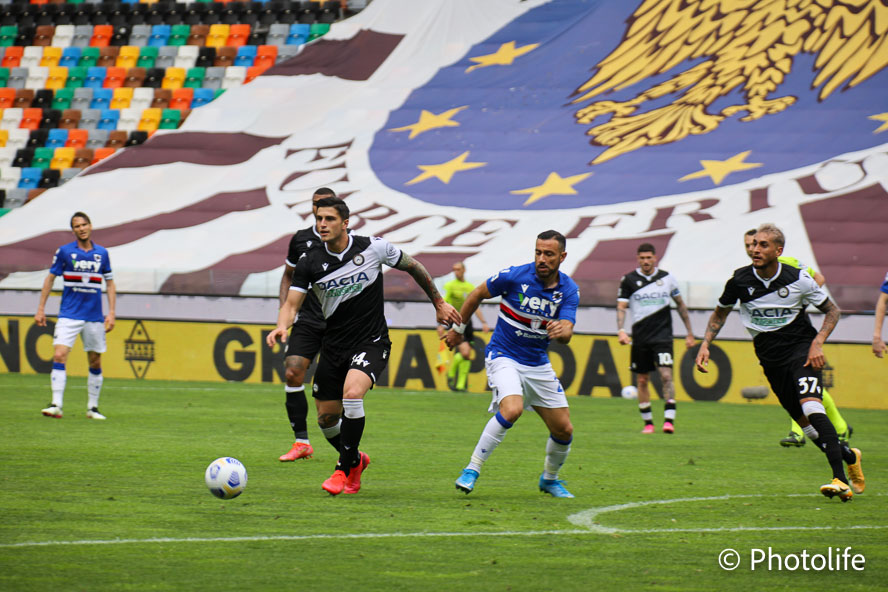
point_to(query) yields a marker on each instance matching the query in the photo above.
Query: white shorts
(539, 385)
(91, 332)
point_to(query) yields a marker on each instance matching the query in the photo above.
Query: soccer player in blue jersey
(539, 303)
(879, 347)
(82, 265)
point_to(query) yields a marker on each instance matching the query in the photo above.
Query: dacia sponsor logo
(651, 296)
(771, 317)
(345, 281)
(537, 303)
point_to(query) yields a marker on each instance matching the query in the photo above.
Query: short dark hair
(325, 191)
(751, 232)
(554, 234)
(335, 203)
(80, 215)
(646, 248)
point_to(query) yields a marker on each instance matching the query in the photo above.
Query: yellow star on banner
(717, 170)
(429, 121)
(445, 171)
(504, 56)
(554, 184)
(883, 117)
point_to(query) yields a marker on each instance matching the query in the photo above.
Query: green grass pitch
(121, 504)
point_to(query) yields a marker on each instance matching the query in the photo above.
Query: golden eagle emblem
(748, 45)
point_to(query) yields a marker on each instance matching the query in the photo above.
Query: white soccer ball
(226, 477)
(629, 392)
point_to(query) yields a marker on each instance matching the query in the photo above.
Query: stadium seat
(213, 78)
(205, 57)
(70, 119)
(187, 56)
(108, 119)
(12, 57)
(234, 77)
(51, 56)
(298, 34)
(265, 56)
(140, 35)
(160, 34)
(15, 198)
(23, 157)
(31, 118)
(202, 96)
(7, 97)
(31, 57)
(62, 98)
(285, 52)
(63, 36)
(318, 30)
(89, 56)
(25, 36)
(238, 35)
(246, 55)
(56, 78)
(82, 158)
(170, 119)
(42, 98)
(225, 56)
(37, 77)
(89, 119)
(95, 77)
(50, 118)
(115, 78)
(30, 177)
(42, 157)
(18, 138)
(194, 77)
(102, 153)
(82, 98)
(129, 119)
(134, 77)
(62, 158)
(57, 138)
(97, 139)
(9, 179)
(49, 178)
(4, 76)
(121, 98)
(147, 57)
(128, 57)
(70, 57)
(8, 33)
(166, 56)
(218, 35)
(154, 77)
(137, 137)
(76, 77)
(76, 138)
(278, 34)
(179, 35)
(18, 78)
(182, 98)
(150, 120)
(101, 36)
(108, 56)
(252, 73)
(174, 78)
(82, 35)
(37, 138)
(4, 136)
(117, 139)
(7, 155)
(23, 98)
(43, 35)
(101, 98)
(162, 98)
(198, 35)
(11, 118)
(70, 173)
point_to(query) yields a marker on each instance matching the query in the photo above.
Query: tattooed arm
(816, 359)
(446, 314)
(713, 326)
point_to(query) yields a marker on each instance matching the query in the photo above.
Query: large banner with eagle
(460, 129)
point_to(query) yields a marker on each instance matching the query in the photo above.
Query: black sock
(297, 412)
(828, 442)
(352, 430)
(335, 442)
(847, 454)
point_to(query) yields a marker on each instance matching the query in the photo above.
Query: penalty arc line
(585, 519)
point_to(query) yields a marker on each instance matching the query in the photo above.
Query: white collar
(344, 251)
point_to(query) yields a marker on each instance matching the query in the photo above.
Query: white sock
(332, 431)
(57, 378)
(556, 454)
(353, 408)
(93, 388)
(493, 434)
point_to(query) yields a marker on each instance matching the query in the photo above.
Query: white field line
(585, 519)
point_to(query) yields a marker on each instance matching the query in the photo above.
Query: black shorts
(369, 358)
(793, 382)
(305, 337)
(646, 357)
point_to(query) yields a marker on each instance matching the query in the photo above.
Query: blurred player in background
(346, 277)
(304, 344)
(539, 303)
(82, 265)
(646, 292)
(455, 292)
(796, 437)
(773, 298)
(879, 347)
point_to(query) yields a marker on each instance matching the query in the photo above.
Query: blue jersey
(525, 310)
(885, 284)
(82, 273)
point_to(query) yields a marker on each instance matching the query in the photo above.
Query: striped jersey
(649, 298)
(82, 273)
(300, 244)
(525, 311)
(773, 310)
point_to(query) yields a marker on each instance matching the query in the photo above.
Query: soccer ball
(226, 477)
(629, 392)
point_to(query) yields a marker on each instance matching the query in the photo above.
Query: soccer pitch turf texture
(121, 504)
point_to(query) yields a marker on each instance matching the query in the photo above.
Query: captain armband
(461, 328)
